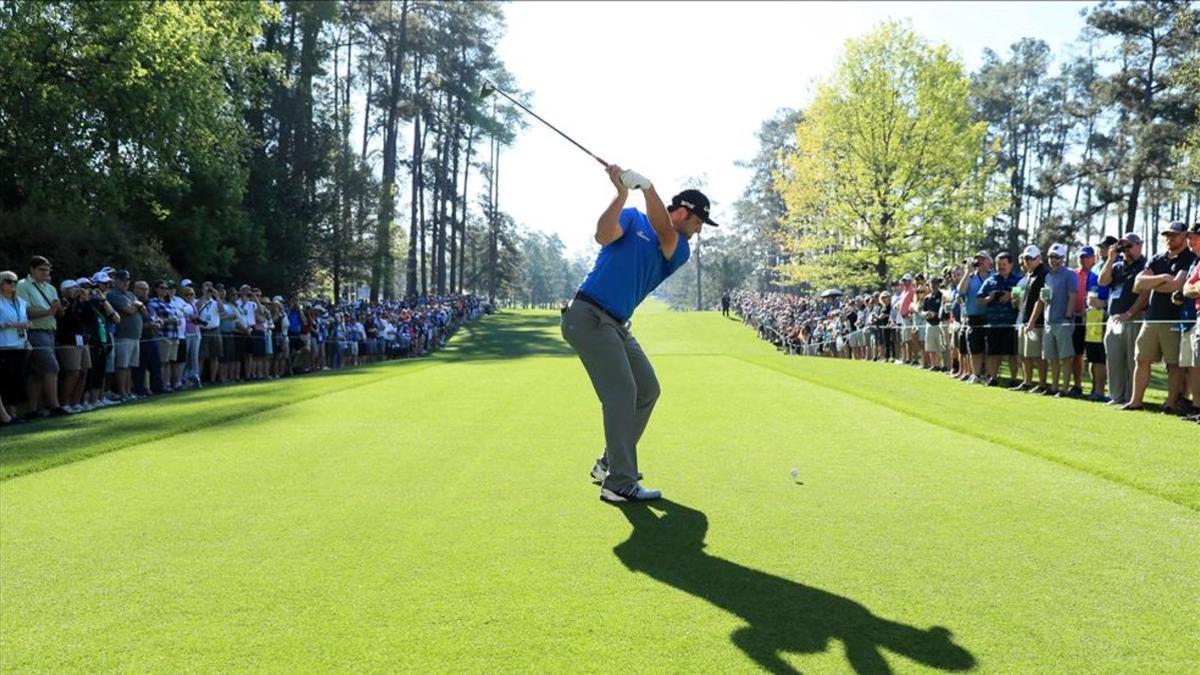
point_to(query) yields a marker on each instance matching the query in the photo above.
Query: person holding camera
(996, 297)
(208, 316)
(1029, 320)
(127, 346)
(975, 272)
(44, 309)
(1126, 307)
(98, 328)
(935, 335)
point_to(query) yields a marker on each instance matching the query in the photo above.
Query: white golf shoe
(633, 493)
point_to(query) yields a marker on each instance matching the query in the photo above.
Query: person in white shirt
(14, 322)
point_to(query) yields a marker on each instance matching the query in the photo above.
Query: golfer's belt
(584, 297)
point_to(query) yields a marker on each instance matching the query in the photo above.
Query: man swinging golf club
(639, 251)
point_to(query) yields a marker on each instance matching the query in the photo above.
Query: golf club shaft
(543, 121)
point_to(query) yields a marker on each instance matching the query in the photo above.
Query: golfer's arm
(608, 227)
(660, 220)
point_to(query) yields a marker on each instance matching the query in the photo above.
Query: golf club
(488, 88)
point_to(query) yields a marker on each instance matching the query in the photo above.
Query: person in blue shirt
(996, 298)
(638, 252)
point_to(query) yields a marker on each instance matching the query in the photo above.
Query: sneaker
(633, 493)
(1131, 406)
(1050, 392)
(1036, 390)
(993, 382)
(1075, 392)
(1020, 386)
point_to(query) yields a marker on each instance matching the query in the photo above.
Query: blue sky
(677, 90)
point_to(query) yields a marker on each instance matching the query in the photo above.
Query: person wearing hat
(69, 341)
(996, 297)
(1191, 290)
(14, 331)
(1058, 308)
(1088, 298)
(45, 308)
(638, 252)
(1159, 338)
(975, 272)
(1126, 307)
(97, 331)
(1029, 320)
(935, 332)
(127, 346)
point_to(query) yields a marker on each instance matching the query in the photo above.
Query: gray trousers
(1119, 350)
(624, 382)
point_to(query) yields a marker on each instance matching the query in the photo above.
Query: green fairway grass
(435, 515)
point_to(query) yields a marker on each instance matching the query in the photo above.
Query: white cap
(277, 298)
(101, 278)
(83, 281)
(1031, 251)
(1058, 250)
(185, 283)
(107, 270)
(69, 283)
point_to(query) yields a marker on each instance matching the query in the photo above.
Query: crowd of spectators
(105, 339)
(1111, 317)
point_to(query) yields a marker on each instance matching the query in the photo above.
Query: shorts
(42, 361)
(13, 362)
(98, 354)
(70, 357)
(1058, 341)
(977, 335)
(258, 343)
(935, 338)
(127, 353)
(211, 345)
(1031, 343)
(1001, 341)
(168, 350)
(960, 338)
(1095, 353)
(1189, 350)
(907, 331)
(1158, 342)
(1079, 335)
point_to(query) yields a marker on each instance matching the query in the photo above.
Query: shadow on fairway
(508, 336)
(782, 615)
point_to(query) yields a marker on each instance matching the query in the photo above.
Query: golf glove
(634, 180)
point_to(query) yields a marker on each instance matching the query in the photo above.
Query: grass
(434, 515)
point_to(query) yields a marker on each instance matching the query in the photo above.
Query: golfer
(639, 251)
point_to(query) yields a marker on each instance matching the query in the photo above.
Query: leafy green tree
(888, 163)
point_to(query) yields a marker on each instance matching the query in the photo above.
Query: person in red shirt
(1191, 289)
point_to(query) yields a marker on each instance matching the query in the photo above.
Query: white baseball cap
(1031, 251)
(185, 283)
(68, 284)
(101, 277)
(1058, 251)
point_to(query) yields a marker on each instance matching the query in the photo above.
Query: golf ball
(795, 472)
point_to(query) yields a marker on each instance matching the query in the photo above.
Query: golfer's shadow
(781, 615)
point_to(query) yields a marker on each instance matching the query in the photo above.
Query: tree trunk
(382, 273)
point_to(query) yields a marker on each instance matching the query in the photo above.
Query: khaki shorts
(935, 338)
(1158, 342)
(1189, 349)
(168, 350)
(1030, 346)
(70, 357)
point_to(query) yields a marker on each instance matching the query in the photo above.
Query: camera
(974, 263)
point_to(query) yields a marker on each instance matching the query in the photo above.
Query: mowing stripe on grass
(1008, 441)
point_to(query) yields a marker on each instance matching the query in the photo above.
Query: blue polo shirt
(630, 268)
(972, 294)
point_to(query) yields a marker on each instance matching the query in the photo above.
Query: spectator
(233, 331)
(44, 309)
(907, 322)
(1086, 282)
(163, 315)
(98, 336)
(725, 304)
(148, 375)
(1058, 306)
(935, 337)
(1126, 308)
(208, 313)
(185, 302)
(1029, 339)
(996, 297)
(127, 344)
(975, 272)
(1192, 290)
(1094, 321)
(176, 333)
(14, 343)
(1159, 338)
